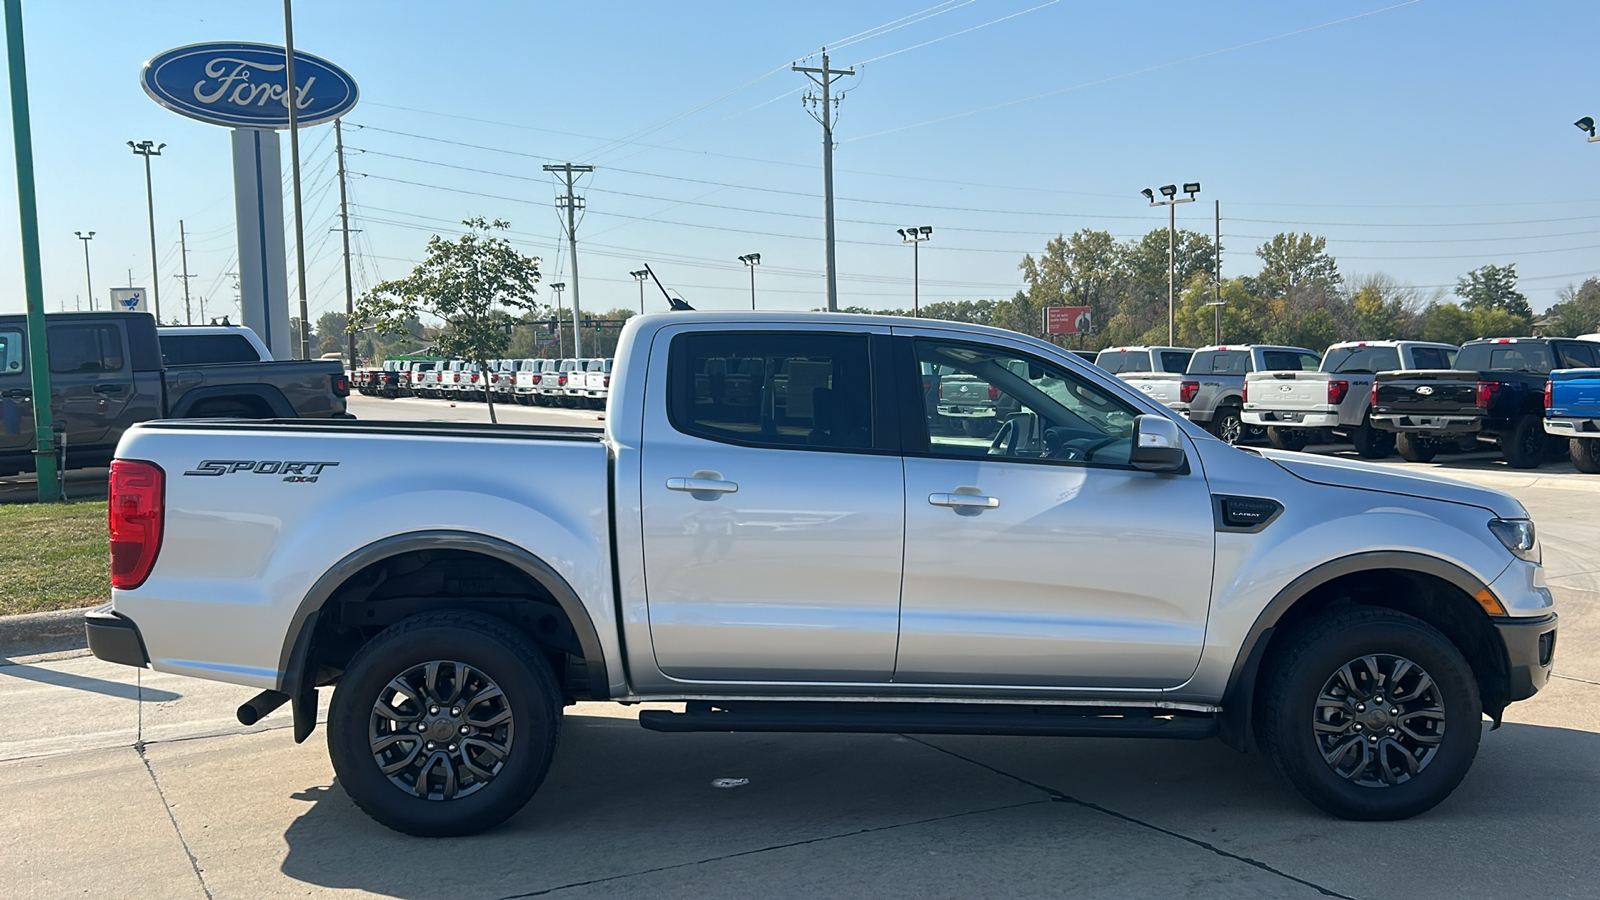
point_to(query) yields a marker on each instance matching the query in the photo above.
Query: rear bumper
(114, 638)
(1434, 424)
(1287, 419)
(1573, 428)
(1530, 653)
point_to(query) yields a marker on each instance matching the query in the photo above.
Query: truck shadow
(634, 812)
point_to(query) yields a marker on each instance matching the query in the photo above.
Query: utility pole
(1216, 277)
(572, 203)
(824, 78)
(344, 228)
(750, 260)
(293, 98)
(561, 341)
(148, 149)
(88, 280)
(640, 276)
(914, 236)
(183, 254)
(1170, 192)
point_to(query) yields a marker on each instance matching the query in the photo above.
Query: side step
(931, 718)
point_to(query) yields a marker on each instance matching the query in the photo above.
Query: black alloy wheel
(1524, 447)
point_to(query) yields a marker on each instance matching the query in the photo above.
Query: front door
(1038, 556)
(772, 508)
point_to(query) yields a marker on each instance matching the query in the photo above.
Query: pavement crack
(194, 862)
(1573, 678)
(757, 850)
(1061, 797)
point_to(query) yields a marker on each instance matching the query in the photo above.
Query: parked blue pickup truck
(1572, 411)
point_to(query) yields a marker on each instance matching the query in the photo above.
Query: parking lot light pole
(750, 260)
(914, 236)
(561, 340)
(87, 278)
(1170, 192)
(1587, 124)
(148, 149)
(640, 277)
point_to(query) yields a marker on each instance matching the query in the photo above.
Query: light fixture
(1586, 124)
(1169, 191)
(926, 229)
(1191, 188)
(1149, 195)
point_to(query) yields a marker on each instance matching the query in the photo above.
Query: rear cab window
(1289, 361)
(1175, 362)
(1527, 357)
(1119, 361)
(1219, 362)
(791, 390)
(1361, 360)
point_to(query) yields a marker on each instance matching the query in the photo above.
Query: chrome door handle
(964, 501)
(702, 485)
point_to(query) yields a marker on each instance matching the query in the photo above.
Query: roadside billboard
(1067, 320)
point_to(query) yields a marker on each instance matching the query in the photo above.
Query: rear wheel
(1415, 447)
(1227, 425)
(1371, 714)
(980, 426)
(1524, 446)
(1287, 438)
(1585, 454)
(1370, 442)
(444, 724)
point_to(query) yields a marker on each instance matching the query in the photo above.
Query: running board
(931, 718)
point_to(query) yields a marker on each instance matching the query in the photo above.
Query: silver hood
(1394, 480)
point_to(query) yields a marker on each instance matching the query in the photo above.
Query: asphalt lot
(125, 783)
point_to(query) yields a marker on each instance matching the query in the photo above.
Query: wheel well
(1430, 598)
(400, 586)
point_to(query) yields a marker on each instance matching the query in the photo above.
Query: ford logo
(1425, 390)
(1286, 388)
(244, 85)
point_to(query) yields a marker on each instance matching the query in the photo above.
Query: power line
(957, 33)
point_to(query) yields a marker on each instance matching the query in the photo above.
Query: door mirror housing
(1157, 445)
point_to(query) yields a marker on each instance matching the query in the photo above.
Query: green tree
(1290, 261)
(294, 335)
(468, 282)
(1576, 312)
(1448, 323)
(976, 312)
(1494, 287)
(331, 330)
(1385, 310)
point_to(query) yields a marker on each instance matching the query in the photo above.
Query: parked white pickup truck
(775, 529)
(1290, 405)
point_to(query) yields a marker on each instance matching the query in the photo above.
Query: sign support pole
(44, 452)
(293, 97)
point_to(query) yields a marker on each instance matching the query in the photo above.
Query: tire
(1585, 454)
(1372, 443)
(1524, 446)
(497, 656)
(1287, 438)
(1311, 727)
(1227, 425)
(1415, 447)
(980, 426)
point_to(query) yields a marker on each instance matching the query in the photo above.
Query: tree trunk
(488, 391)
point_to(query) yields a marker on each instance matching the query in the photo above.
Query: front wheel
(1524, 447)
(1287, 438)
(1585, 454)
(1371, 714)
(1416, 447)
(444, 724)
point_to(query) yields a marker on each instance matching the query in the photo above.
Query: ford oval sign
(245, 86)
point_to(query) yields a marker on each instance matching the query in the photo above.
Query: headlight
(1518, 536)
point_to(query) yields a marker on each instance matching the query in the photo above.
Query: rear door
(772, 506)
(16, 399)
(90, 379)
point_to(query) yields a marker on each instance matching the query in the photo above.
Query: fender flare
(279, 405)
(296, 652)
(1238, 700)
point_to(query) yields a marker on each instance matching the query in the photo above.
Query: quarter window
(789, 389)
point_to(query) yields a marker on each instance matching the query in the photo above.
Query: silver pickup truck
(1210, 392)
(777, 529)
(1292, 404)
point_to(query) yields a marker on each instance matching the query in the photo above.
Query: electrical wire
(958, 33)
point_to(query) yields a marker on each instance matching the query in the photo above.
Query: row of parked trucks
(1519, 395)
(530, 382)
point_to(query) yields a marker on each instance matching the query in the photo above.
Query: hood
(1394, 480)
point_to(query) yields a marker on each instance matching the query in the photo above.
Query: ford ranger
(774, 530)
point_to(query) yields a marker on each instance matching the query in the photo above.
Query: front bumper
(1530, 653)
(1429, 424)
(1283, 419)
(114, 638)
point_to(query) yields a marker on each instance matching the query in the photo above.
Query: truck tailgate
(1287, 390)
(1575, 392)
(256, 513)
(1162, 387)
(1427, 391)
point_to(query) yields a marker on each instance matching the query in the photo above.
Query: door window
(84, 348)
(1028, 409)
(10, 352)
(1576, 356)
(788, 389)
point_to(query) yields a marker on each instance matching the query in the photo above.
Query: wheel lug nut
(1358, 726)
(433, 710)
(1394, 711)
(431, 745)
(422, 726)
(1377, 699)
(452, 748)
(463, 729)
(1361, 707)
(455, 711)
(1391, 729)
(1373, 738)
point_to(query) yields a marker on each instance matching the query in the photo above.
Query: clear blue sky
(1421, 141)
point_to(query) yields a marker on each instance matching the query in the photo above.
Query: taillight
(927, 384)
(134, 519)
(1547, 393)
(994, 393)
(1373, 400)
(1486, 393)
(1244, 393)
(474, 377)
(1188, 390)
(341, 386)
(562, 381)
(1337, 391)
(607, 382)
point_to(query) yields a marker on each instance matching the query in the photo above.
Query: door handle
(108, 388)
(964, 501)
(699, 485)
(17, 394)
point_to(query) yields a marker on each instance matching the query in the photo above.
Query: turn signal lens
(134, 518)
(1489, 602)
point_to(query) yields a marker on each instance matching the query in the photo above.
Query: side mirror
(1157, 445)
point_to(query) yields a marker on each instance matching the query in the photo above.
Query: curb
(47, 632)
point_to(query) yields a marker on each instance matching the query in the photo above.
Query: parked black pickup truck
(106, 373)
(1495, 394)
